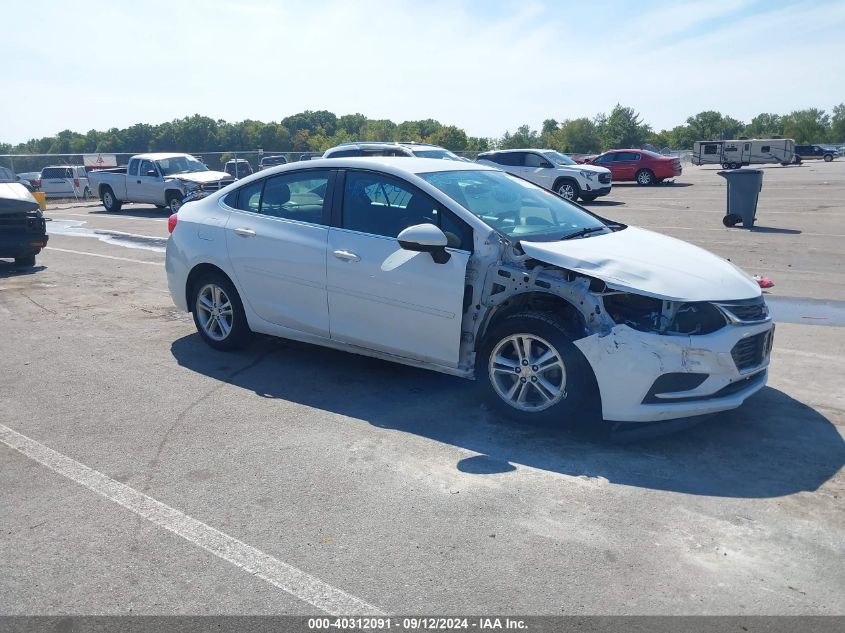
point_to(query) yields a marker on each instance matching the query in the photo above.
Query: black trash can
(744, 186)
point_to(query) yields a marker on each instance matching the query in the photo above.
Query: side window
(133, 167)
(711, 148)
(511, 159)
(766, 149)
(380, 205)
(298, 196)
(747, 147)
(146, 167)
(249, 197)
(532, 160)
(607, 158)
(458, 233)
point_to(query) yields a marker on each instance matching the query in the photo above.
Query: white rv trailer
(735, 154)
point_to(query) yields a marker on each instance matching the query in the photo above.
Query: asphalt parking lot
(289, 478)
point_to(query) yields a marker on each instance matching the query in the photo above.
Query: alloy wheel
(214, 312)
(567, 191)
(527, 372)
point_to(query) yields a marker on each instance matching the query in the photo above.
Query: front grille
(751, 351)
(604, 179)
(747, 311)
(13, 221)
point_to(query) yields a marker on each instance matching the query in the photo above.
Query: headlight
(647, 314)
(588, 175)
(190, 186)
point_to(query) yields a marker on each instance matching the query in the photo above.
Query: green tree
(578, 136)
(807, 126)
(623, 127)
(837, 124)
(450, 137)
(523, 137)
(765, 125)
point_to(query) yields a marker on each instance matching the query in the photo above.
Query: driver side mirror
(425, 238)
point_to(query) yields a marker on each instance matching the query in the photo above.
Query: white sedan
(467, 270)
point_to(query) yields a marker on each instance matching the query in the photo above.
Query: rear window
(57, 172)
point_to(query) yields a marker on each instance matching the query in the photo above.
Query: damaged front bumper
(648, 377)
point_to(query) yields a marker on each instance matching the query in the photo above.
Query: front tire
(218, 312)
(531, 370)
(645, 177)
(828, 158)
(110, 201)
(27, 262)
(174, 202)
(568, 189)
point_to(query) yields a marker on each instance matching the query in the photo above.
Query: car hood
(15, 198)
(203, 177)
(647, 263)
(596, 169)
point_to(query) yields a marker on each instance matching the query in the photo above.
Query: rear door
(57, 182)
(276, 239)
(385, 298)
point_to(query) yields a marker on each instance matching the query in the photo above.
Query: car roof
(521, 149)
(397, 165)
(162, 155)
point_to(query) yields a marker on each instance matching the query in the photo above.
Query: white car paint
(365, 294)
(649, 263)
(542, 169)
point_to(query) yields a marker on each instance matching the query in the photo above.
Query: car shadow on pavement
(10, 269)
(770, 447)
(601, 203)
(146, 212)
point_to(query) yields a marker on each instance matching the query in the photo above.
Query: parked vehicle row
(468, 270)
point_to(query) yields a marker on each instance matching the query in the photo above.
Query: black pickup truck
(23, 231)
(806, 152)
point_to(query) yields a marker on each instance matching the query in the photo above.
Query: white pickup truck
(160, 179)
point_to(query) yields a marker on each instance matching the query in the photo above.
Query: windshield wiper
(584, 231)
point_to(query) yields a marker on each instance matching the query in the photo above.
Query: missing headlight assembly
(647, 314)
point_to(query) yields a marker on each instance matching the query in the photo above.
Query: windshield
(559, 159)
(443, 154)
(180, 165)
(515, 207)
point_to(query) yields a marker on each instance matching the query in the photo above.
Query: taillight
(171, 222)
(76, 182)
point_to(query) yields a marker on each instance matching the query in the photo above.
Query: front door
(134, 191)
(276, 238)
(383, 297)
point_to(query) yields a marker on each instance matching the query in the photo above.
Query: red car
(641, 165)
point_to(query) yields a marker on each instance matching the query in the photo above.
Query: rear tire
(732, 219)
(734, 165)
(110, 201)
(28, 261)
(567, 189)
(645, 177)
(532, 372)
(218, 312)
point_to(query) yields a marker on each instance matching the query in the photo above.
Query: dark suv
(23, 231)
(810, 152)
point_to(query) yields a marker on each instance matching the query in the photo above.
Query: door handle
(244, 232)
(138, 181)
(347, 256)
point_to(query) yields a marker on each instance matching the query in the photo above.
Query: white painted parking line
(726, 230)
(122, 259)
(279, 574)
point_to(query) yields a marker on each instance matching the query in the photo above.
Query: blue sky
(484, 66)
